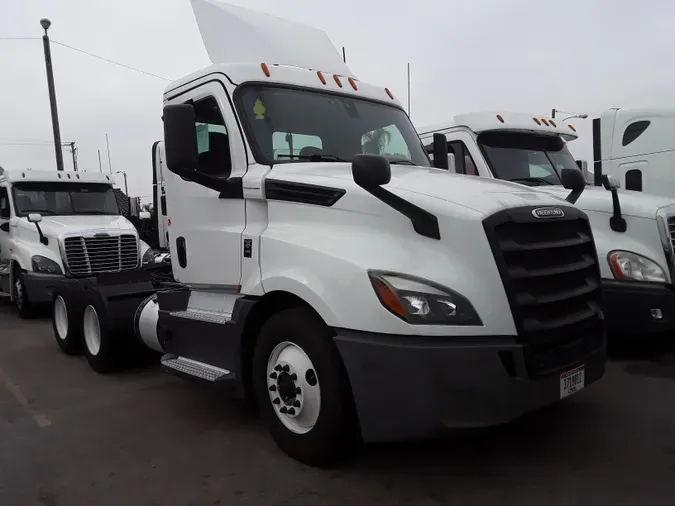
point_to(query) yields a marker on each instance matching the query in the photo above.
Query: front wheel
(302, 388)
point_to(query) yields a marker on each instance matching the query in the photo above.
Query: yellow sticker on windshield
(259, 109)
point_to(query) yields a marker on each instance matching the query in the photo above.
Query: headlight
(45, 265)
(422, 302)
(148, 257)
(633, 267)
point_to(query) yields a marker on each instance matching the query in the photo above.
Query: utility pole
(408, 89)
(108, 147)
(100, 167)
(126, 187)
(73, 150)
(45, 23)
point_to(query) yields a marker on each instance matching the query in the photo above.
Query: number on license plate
(572, 381)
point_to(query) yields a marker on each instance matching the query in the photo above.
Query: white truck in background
(353, 291)
(632, 231)
(59, 224)
(637, 146)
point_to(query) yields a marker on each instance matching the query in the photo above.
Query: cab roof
(54, 176)
(505, 121)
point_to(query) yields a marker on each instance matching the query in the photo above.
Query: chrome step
(201, 315)
(194, 368)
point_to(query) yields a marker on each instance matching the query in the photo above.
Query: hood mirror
(574, 180)
(617, 221)
(37, 218)
(144, 215)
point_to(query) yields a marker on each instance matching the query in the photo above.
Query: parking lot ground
(71, 437)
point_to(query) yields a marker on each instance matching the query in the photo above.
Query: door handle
(181, 249)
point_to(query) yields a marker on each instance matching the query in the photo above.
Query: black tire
(66, 320)
(23, 306)
(335, 433)
(108, 356)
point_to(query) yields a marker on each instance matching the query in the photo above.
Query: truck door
(4, 239)
(205, 226)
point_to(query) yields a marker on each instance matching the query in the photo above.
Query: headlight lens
(148, 257)
(45, 265)
(633, 267)
(422, 302)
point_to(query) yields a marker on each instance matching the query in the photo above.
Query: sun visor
(234, 34)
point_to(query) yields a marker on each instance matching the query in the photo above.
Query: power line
(110, 61)
(128, 67)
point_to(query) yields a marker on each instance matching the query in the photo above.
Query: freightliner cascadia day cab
(637, 146)
(631, 230)
(326, 270)
(59, 224)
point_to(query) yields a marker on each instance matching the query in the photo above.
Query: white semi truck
(632, 230)
(354, 292)
(60, 224)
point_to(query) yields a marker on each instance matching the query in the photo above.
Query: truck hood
(54, 226)
(483, 195)
(597, 199)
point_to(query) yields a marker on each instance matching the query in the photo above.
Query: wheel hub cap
(293, 387)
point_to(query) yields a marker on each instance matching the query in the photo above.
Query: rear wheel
(302, 388)
(102, 347)
(65, 322)
(23, 305)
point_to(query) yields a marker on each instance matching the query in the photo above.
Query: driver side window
(213, 143)
(4, 203)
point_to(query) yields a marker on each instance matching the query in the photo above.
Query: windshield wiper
(315, 157)
(401, 162)
(538, 180)
(38, 211)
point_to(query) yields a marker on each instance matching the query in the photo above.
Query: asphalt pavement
(71, 437)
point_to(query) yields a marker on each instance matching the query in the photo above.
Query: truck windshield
(526, 158)
(290, 125)
(64, 198)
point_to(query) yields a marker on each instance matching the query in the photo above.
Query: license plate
(572, 381)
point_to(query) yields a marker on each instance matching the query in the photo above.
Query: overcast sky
(518, 55)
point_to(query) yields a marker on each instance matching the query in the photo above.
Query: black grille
(671, 230)
(549, 268)
(92, 255)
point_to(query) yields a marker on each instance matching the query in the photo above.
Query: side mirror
(180, 139)
(370, 171)
(574, 180)
(440, 151)
(144, 215)
(610, 182)
(35, 217)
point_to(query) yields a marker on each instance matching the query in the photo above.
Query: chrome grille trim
(95, 253)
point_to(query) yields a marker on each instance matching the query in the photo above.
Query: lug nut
(278, 368)
(296, 404)
(276, 401)
(273, 388)
(291, 411)
(294, 376)
(273, 376)
(286, 368)
(283, 410)
(298, 391)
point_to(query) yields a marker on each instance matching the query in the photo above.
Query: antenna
(408, 89)
(344, 55)
(108, 147)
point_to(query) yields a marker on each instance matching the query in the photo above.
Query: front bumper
(411, 387)
(628, 307)
(39, 286)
